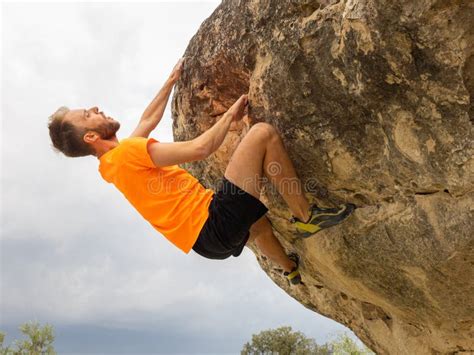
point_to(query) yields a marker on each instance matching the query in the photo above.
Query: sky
(74, 253)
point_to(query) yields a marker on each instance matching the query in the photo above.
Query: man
(215, 225)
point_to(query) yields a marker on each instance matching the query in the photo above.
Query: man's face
(94, 120)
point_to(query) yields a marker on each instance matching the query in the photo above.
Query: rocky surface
(375, 103)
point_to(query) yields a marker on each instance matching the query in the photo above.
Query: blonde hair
(66, 137)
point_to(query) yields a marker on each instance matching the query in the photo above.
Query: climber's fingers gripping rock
(238, 108)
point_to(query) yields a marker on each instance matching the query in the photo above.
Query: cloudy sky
(74, 253)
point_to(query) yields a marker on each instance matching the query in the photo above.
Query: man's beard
(107, 130)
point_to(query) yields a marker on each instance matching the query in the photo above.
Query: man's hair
(66, 137)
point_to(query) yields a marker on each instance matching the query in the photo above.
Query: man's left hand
(177, 70)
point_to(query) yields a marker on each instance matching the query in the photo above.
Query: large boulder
(374, 101)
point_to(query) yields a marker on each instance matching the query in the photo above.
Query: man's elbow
(202, 151)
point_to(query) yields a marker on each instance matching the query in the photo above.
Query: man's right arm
(199, 148)
(213, 137)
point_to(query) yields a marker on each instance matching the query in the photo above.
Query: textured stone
(375, 103)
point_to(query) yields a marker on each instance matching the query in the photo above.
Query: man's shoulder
(130, 142)
(137, 140)
(132, 139)
(135, 149)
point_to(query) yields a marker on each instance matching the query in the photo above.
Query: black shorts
(226, 231)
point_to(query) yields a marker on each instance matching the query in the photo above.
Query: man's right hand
(237, 109)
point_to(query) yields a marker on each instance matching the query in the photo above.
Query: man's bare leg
(261, 233)
(260, 152)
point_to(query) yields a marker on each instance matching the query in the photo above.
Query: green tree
(2, 349)
(283, 341)
(345, 345)
(39, 341)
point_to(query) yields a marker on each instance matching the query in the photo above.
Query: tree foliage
(283, 341)
(345, 345)
(39, 341)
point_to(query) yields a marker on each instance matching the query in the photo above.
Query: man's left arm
(154, 112)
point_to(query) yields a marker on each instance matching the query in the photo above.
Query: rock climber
(215, 224)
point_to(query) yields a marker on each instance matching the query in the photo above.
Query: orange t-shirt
(169, 198)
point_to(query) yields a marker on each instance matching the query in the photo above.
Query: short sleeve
(137, 152)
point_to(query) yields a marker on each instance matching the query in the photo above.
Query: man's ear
(91, 137)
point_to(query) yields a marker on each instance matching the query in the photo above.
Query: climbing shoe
(322, 218)
(294, 276)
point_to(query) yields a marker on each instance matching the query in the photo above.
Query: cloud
(73, 251)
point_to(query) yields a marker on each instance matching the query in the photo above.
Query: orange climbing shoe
(322, 218)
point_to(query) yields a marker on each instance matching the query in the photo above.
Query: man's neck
(105, 146)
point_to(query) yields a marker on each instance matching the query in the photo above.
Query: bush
(282, 341)
(39, 341)
(345, 345)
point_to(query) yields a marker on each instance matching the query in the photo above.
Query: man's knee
(252, 238)
(266, 130)
(261, 227)
(257, 235)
